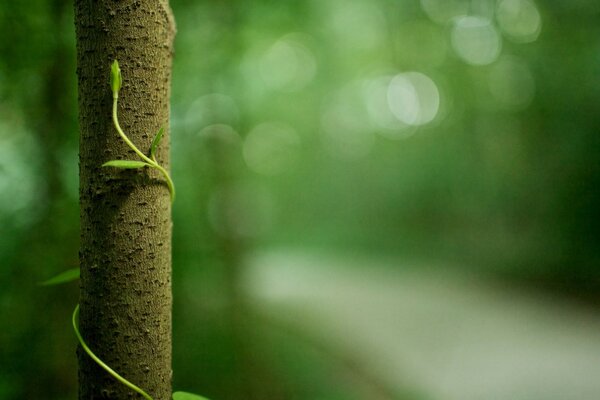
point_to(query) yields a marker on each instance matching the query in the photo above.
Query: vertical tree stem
(125, 254)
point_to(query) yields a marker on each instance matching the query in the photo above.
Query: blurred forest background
(377, 199)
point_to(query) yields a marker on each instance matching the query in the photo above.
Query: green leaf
(115, 77)
(187, 396)
(63, 277)
(126, 164)
(156, 141)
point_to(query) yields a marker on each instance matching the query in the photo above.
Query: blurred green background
(377, 199)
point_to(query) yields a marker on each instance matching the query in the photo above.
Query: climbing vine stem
(100, 362)
(115, 84)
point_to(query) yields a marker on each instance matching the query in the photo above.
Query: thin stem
(125, 138)
(101, 363)
(168, 179)
(152, 163)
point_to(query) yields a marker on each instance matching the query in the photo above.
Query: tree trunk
(125, 254)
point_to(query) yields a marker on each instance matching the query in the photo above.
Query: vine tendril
(115, 84)
(100, 362)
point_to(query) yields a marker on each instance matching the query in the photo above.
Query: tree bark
(125, 253)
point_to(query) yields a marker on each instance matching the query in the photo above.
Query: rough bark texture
(125, 254)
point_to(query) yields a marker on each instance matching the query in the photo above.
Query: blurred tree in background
(39, 206)
(458, 133)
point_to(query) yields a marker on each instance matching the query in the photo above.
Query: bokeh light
(476, 40)
(288, 65)
(213, 108)
(413, 98)
(220, 133)
(520, 20)
(442, 11)
(20, 188)
(380, 113)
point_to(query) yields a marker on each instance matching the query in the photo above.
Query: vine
(74, 274)
(100, 362)
(116, 82)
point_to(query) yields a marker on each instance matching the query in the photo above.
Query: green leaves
(187, 396)
(63, 277)
(155, 142)
(115, 78)
(126, 164)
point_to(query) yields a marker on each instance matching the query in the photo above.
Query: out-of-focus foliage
(462, 131)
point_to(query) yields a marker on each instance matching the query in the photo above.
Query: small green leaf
(156, 141)
(126, 164)
(63, 277)
(187, 396)
(115, 77)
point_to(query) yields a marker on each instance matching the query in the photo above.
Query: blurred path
(451, 337)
